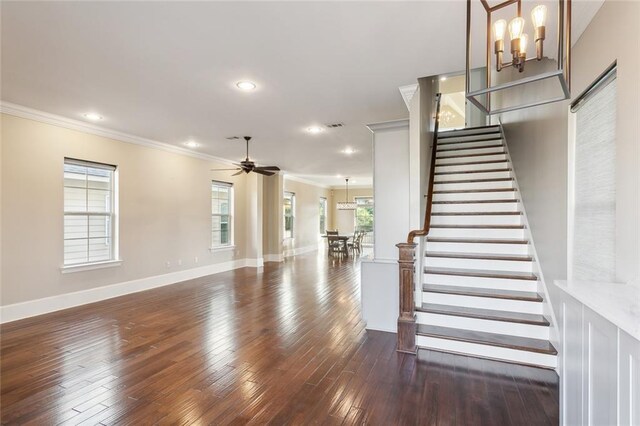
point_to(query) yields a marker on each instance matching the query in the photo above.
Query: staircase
(480, 293)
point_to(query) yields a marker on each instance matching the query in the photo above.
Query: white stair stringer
(480, 289)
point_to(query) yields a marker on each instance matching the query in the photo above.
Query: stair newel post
(407, 318)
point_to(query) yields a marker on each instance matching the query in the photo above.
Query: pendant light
(346, 205)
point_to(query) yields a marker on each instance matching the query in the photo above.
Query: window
(364, 214)
(289, 208)
(221, 211)
(592, 207)
(323, 215)
(89, 212)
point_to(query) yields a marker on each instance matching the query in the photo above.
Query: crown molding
(305, 181)
(407, 93)
(388, 125)
(68, 123)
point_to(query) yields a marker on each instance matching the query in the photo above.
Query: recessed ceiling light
(246, 85)
(314, 130)
(443, 78)
(338, 176)
(191, 144)
(348, 151)
(92, 116)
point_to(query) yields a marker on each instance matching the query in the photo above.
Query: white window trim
(114, 215)
(232, 201)
(90, 266)
(226, 247)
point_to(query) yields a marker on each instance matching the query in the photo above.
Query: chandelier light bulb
(523, 44)
(516, 27)
(499, 28)
(539, 15)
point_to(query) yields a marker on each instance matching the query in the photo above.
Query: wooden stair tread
(471, 147)
(482, 273)
(473, 171)
(473, 180)
(481, 256)
(472, 163)
(476, 201)
(477, 240)
(487, 314)
(465, 191)
(469, 132)
(445, 142)
(527, 296)
(479, 226)
(491, 339)
(476, 214)
(469, 155)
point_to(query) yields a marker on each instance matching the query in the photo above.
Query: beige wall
(538, 140)
(164, 200)
(344, 220)
(306, 227)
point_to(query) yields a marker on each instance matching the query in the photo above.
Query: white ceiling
(167, 71)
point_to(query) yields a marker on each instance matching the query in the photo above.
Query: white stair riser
(468, 196)
(500, 184)
(462, 135)
(495, 157)
(469, 151)
(443, 144)
(484, 325)
(476, 233)
(513, 355)
(477, 220)
(481, 175)
(481, 264)
(475, 207)
(483, 303)
(470, 167)
(478, 248)
(480, 282)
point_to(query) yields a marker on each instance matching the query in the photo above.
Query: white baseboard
(300, 250)
(45, 305)
(274, 257)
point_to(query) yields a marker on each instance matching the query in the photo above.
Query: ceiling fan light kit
(550, 82)
(247, 166)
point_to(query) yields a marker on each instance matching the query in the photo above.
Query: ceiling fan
(248, 166)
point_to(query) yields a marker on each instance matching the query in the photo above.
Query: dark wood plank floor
(283, 346)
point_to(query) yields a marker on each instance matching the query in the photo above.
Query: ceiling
(167, 71)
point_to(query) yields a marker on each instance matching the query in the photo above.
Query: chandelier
(346, 205)
(497, 79)
(519, 38)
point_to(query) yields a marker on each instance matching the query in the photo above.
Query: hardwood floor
(283, 346)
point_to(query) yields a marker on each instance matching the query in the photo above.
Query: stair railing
(406, 258)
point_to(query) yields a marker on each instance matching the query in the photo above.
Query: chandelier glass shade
(497, 73)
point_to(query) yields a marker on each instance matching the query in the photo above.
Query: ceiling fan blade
(263, 172)
(223, 170)
(239, 172)
(274, 168)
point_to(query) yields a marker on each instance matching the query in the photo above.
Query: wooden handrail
(427, 213)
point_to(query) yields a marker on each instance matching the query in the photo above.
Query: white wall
(379, 276)
(391, 179)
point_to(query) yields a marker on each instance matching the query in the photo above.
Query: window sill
(90, 266)
(222, 248)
